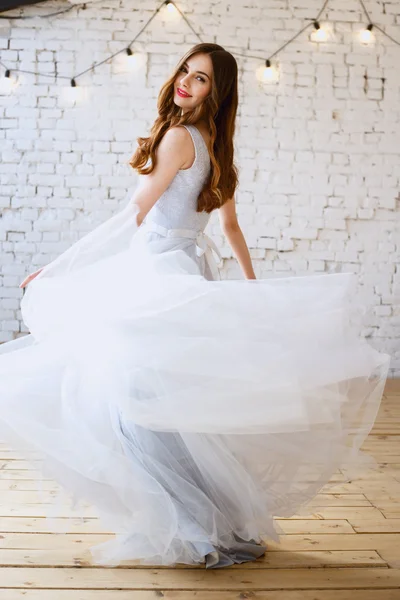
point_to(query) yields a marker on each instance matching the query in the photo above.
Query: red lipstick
(182, 93)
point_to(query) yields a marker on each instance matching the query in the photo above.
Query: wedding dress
(186, 409)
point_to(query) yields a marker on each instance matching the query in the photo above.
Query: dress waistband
(204, 244)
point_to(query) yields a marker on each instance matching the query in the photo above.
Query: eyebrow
(202, 72)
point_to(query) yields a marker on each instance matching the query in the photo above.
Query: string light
(366, 34)
(170, 6)
(320, 34)
(268, 72)
(7, 83)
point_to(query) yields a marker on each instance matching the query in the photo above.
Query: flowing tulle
(189, 412)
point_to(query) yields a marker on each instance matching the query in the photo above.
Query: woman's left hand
(30, 277)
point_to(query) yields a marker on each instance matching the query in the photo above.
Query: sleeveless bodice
(176, 208)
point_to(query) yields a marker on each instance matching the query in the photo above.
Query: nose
(183, 80)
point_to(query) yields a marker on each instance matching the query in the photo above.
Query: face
(194, 80)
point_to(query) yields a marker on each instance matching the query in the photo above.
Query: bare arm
(171, 156)
(235, 237)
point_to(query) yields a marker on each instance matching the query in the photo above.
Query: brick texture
(318, 150)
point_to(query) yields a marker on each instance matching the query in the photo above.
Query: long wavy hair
(218, 109)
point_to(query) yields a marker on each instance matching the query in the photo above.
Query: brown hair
(218, 109)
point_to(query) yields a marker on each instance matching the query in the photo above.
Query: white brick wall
(318, 151)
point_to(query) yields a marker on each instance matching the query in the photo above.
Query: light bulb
(366, 34)
(267, 73)
(73, 93)
(6, 82)
(319, 34)
(170, 6)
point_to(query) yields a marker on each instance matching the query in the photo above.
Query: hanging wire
(185, 19)
(62, 11)
(377, 26)
(123, 49)
(54, 14)
(365, 11)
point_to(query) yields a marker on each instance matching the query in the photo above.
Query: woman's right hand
(30, 277)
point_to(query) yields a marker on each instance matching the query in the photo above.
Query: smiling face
(193, 82)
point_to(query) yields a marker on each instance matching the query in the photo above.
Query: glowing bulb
(7, 83)
(366, 34)
(170, 6)
(73, 93)
(319, 34)
(267, 73)
(134, 61)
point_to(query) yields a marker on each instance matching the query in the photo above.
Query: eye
(198, 76)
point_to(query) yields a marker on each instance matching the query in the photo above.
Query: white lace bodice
(176, 208)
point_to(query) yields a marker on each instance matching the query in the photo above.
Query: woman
(188, 410)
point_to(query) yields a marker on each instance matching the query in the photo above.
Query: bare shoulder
(177, 146)
(174, 146)
(176, 135)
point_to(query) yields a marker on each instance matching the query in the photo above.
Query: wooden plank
(381, 486)
(390, 429)
(324, 594)
(47, 496)
(11, 474)
(392, 469)
(332, 499)
(20, 465)
(341, 512)
(328, 512)
(201, 579)
(88, 525)
(9, 454)
(391, 556)
(28, 485)
(35, 497)
(392, 385)
(272, 560)
(28, 498)
(385, 526)
(344, 541)
(41, 510)
(391, 443)
(52, 541)
(356, 486)
(387, 502)
(390, 513)
(293, 542)
(74, 525)
(310, 526)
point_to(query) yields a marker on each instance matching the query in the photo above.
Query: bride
(188, 410)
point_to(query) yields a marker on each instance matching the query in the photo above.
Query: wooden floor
(347, 549)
